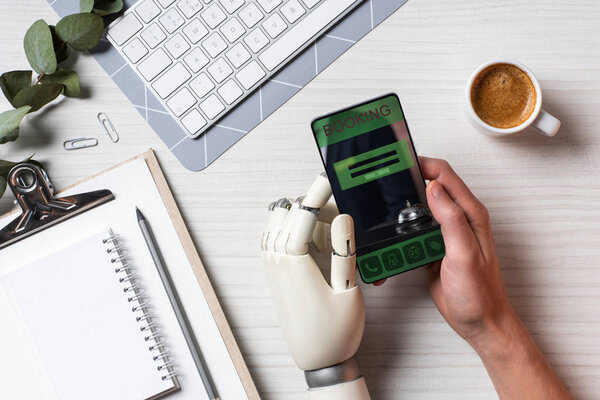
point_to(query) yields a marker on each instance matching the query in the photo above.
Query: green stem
(62, 45)
(39, 78)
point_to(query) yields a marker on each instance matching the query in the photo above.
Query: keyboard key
(310, 3)
(212, 106)
(220, 70)
(213, 16)
(250, 15)
(165, 3)
(195, 31)
(238, 55)
(154, 64)
(274, 25)
(153, 35)
(303, 32)
(256, 40)
(177, 45)
(202, 85)
(292, 10)
(250, 74)
(196, 60)
(135, 50)
(171, 20)
(171, 80)
(201, 57)
(214, 45)
(189, 7)
(231, 5)
(230, 91)
(233, 30)
(147, 10)
(181, 102)
(193, 122)
(269, 5)
(123, 30)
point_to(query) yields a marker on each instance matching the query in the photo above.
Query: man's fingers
(435, 287)
(458, 236)
(475, 212)
(440, 170)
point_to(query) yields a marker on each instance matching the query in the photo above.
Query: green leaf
(107, 7)
(9, 125)
(86, 6)
(38, 96)
(67, 78)
(80, 31)
(2, 185)
(62, 51)
(39, 48)
(6, 166)
(13, 82)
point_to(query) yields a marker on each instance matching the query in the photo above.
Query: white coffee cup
(539, 119)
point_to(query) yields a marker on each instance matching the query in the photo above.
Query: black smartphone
(376, 178)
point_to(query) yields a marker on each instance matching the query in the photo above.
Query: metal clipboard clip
(33, 191)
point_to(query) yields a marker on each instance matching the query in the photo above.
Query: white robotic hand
(323, 324)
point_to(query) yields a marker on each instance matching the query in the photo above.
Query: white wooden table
(543, 194)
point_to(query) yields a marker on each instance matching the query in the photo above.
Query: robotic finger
(298, 229)
(343, 258)
(304, 214)
(278, 212)
(319, 193)
(328, 212)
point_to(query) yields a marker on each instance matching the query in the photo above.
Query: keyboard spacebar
(306, 29)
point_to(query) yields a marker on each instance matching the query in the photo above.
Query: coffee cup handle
(546, 124)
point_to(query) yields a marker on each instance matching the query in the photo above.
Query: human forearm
(515, 364)
(468, 290)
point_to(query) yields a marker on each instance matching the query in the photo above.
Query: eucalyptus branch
(46, 47)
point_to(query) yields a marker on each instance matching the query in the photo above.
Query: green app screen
(371, 164)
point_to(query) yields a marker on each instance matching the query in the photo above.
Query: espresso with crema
(503, 96)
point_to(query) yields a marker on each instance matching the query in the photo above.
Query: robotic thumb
(343, 259)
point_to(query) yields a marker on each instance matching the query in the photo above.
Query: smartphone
(376, 178)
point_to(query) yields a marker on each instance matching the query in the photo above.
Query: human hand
(466, 286)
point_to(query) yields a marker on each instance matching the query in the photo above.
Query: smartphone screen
(372, 166)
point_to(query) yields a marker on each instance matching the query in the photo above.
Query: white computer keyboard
(202, 57)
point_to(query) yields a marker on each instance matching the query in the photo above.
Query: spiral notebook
(103, 335)
(68, 329)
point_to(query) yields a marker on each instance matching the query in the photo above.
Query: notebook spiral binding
(126, 276)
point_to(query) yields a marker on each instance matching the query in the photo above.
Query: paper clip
(109, 128)
(80, 143)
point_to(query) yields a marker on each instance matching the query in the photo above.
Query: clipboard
(194, 260)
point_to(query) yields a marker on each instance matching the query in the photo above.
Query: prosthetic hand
(322, 324)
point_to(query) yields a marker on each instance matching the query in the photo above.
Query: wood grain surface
(543, 194)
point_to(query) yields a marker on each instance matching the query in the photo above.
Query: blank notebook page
(83, 326)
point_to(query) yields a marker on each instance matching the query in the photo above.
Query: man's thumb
(455, 228)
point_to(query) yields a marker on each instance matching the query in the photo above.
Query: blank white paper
(83, 326)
